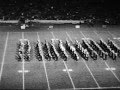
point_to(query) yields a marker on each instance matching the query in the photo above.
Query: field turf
(50, 75)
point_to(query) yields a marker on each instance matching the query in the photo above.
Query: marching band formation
(24, 50)
(56, 49)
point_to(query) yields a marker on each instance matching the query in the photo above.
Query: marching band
(56, 49)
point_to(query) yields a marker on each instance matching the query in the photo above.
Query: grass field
(50, 75)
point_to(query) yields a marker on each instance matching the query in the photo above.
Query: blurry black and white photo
(59, 45)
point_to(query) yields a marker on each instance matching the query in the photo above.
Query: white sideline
(23, 67)
(3, 59)
(44, 63)
(53, 35)
(66, 68)
(107, 63)
(23, 35)
(114, 37)
(69, 75)
(89, 68)
(86, 64)
(111, 33)
(69, 36)
(94, 88)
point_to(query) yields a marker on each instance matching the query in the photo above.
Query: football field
(58, 75)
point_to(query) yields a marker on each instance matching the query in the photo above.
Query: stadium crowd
(95, 10)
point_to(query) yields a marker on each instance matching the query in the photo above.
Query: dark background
(60, 9)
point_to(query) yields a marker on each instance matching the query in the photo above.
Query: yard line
(107, 63)
(89, 68)
(23, 66)
(69, 75)
(3, 59)
(53, 35)
(112, 72)
(111, 34)
(66, 68)
(22, 35)
(23, 74)
(44, 63)
(91, 73)
(82, 34)
(97, 34)
(69, 36)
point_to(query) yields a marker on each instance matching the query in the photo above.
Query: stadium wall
(45, 21)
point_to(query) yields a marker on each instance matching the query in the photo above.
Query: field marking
(69, 75)
(66, 68)
(83, 34)
(107, 63)
(112, 72)
(26, 71)
(23, 35)
(44, 63)
(3, 59)
(23, 71)
(111, 34)
(98, 88)
(91, 73)
(97, 34)
(53, 35)
(87, 65)
(112, 68)
(70, 70)
(23, 66)
(114, 37)
(23, 74)
(89, 68)
(69, 36)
